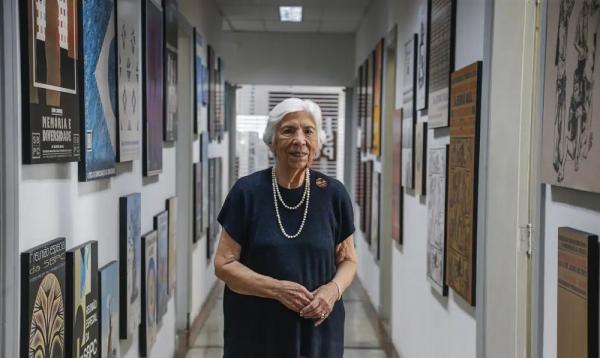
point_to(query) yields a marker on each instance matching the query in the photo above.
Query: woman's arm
(347, 262)
(241, 279)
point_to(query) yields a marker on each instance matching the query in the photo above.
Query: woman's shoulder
(324, 181)
(251, 181)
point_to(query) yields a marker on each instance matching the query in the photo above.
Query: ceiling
(320, 16)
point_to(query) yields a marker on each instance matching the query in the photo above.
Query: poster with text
(109, 310)
(43, 291)
(51, 83)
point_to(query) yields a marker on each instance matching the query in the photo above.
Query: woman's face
(295, 143)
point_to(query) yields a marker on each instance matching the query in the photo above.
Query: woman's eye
(309, 132)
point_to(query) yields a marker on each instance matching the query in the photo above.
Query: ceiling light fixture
(290, 13)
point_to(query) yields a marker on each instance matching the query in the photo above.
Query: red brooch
(321, 183)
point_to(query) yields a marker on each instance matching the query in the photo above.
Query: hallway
(361, 333)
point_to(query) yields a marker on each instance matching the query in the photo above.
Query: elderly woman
(286, 253)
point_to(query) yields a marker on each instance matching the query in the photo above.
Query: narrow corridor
(362, 337)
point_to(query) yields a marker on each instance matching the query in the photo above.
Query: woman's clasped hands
(315, 305)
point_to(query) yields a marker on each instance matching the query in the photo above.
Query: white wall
(289, 58)
(419, 316)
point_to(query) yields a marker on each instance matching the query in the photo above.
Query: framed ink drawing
(437, 168)
(43, 290)
(570, 157)
(82, 331)
(161, 226)
(51, 84)
(153, 87)
(423, 56)
(149, 293)
(409, 113)
(99, 120)
(441, 60)
(171, 23)
(129, 40)
(109, 310)
(130, 258)
(463, 158)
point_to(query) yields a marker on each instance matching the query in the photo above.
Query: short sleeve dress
(264, 328)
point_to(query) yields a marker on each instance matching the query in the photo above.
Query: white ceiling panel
(304, 26)
(248, 25)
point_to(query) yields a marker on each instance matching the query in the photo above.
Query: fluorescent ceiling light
(290, 13)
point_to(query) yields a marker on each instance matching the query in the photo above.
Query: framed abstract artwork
(82, 330)
(441, 60)
(377, 97)
(100, 106)
(43, 293)
(161, 226)
(130, 258)
(171, 24)
(409, 113)
(153, 104)
(172, 209)
(437, 170)
(51, 83)
(149, 293)
(109, 310)
(570, 156)
(129, 53)
(577, 301)
(463, 159)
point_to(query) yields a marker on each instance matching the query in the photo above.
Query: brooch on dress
(321, 183)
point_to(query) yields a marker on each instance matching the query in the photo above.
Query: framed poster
(172, 209)
(43, 300)
(212, 97)
(361, 140)
(109, 310)
(149, 292)
(368, 200)
(463, 159)
(161, 226)
(171, 24)
(130, 258)
(50, 78)
(377, 96)
(200, 81)
(437, 168)
(204, 162)
(397, 194)
(99, 120)
(369, 105)
(220, 85)
(359, 190)
(82, 333)
(409, 113)
(420, 158)
(198, 203)
(153, 87)
(129, 82)
(375, 214)
(441, 60)
(577, 301)
(423, 56)
(571, 96)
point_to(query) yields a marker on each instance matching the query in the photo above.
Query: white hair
(291, 105)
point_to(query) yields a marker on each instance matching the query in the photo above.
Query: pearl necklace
(277, 195)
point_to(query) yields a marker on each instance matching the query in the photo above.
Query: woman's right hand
(293, 295)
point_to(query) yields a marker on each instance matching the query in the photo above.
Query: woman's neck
(290, 177)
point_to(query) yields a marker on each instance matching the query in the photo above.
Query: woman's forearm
(346, 270)
(241, 279)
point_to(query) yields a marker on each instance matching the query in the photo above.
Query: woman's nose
(299, 138)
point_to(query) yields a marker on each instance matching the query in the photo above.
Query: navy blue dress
(264, 328)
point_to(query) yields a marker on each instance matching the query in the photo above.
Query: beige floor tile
(211, 334)
(358, 331)
(205, 353)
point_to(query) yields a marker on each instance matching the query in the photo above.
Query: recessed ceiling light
(290, 13)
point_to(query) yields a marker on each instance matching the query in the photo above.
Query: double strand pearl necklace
(277, 197)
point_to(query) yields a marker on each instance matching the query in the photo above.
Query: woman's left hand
(322, 303)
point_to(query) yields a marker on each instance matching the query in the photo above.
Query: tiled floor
(361, 338)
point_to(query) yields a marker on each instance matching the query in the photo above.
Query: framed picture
(441, 60)
(463, 159)
(369, 104)
(397, 193)
(82, 333)
(171, 24)
(375, 214)
(109, 310)
(161, 226)
(220, 88)
(153, 87)
(205, 197)
(129, 41)
(577, 301)
(570, 156)
(369, 201)
(409, 113)
(99, 120)
(149, 293)
(43, 291)
(130, 258)
(51, 83)
(212, 92)
(198, 201)
(423, 56)
(421, 158)
(437, 169)
(172, 209)
(377, 97)
(200, 79)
